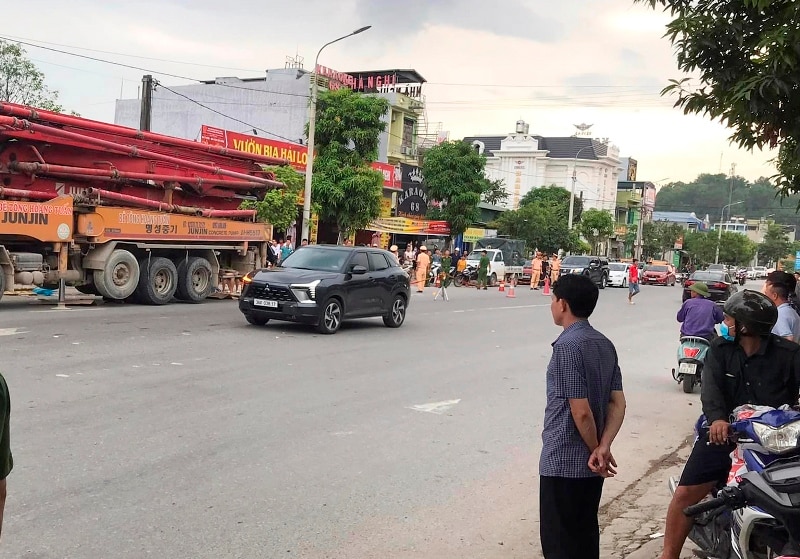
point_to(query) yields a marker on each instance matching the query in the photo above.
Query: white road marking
(503, 308)
(177, 364)
(12, 331)
(436, 407)
(62, 376)
(342, 433)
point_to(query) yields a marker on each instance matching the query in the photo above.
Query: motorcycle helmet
(753, 310)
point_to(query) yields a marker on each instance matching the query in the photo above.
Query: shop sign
(406, 226)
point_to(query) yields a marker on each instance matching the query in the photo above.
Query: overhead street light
(719, 233)
(312, 118)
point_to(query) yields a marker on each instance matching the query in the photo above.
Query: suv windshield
(656, 269)
(576, 261)
(616, 267)
(317, 258)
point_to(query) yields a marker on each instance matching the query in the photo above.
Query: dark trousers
(568, 523)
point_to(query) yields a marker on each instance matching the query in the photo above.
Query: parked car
(720, 284)
(618, 274)
(527, 272)
(596, 267)
(761, 271)
(659, 274)
(323, 285)
(751, 273)
(716, 267)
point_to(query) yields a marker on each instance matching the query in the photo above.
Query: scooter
(756, 515)
(469, 275)
(741, 276)
(691, 357)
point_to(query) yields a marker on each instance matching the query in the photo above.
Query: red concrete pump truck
(121, 213)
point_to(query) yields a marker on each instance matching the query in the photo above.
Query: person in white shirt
(780, 287)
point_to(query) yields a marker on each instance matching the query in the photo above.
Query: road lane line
(437, 408)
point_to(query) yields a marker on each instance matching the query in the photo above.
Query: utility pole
(637, 249)
(730, 190)
(146, 111)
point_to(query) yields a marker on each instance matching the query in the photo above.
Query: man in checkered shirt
(585, 409)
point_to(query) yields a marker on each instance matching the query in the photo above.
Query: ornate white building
(525, 161)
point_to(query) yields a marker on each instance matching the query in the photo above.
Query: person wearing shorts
(633, 281)
(747, 364)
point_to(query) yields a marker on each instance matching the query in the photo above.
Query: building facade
(526, 161)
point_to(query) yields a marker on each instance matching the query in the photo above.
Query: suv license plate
(687, 368)
(265, 303)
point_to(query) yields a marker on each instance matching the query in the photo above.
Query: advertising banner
(406, 226)
(295, 154)
(414, 199)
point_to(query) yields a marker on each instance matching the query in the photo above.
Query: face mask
(725, 332)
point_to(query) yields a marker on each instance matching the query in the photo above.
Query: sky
(487, 64)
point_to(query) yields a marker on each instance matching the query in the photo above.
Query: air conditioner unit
(408, 150)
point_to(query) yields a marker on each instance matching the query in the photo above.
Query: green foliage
(345, 189)
(541, 220)
(708, 194)
(22, 82)
(454, 174)
(775, 246)
(279, 206)
(659, 237)
(734, 248)
(745, 54)
(555, 197)
(596, 226)
(497, 193)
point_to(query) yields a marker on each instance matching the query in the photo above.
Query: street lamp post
(719, 233)
(312, 119)
(574, 180)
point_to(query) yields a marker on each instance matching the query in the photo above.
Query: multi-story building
(755, 229)
(635, 203)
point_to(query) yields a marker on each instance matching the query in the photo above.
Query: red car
(659, 274)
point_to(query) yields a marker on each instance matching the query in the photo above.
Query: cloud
(513, 19)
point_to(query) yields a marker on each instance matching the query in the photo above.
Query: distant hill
(709, 193)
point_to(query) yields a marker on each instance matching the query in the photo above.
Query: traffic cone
(502, 285)
(546, 286)
(510, 293)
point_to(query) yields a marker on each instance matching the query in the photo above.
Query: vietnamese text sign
(403, 225)
(46, 221)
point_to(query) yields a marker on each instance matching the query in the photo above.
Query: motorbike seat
(695, 339)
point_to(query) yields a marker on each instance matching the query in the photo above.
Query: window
(408, 133)
(498, 257)
(360, 259)
(377, 262)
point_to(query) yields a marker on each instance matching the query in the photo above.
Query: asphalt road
(183, 432)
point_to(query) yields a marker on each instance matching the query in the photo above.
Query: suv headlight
(305, 291)
(778, 439)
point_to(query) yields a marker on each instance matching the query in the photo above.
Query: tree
(22, 82)
(596, 226)
(555, 197)
(454, 173)
(540, 228)
(279, 206)
(497, 193)
(659, 237)
(734, 248)
(775, 246)
(746, 56)
(345, 188)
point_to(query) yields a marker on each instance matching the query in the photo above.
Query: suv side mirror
(358, 270)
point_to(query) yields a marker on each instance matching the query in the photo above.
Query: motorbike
(436, 269)
(691, 356)
(466, 277)
(756, 515)
(741, 276)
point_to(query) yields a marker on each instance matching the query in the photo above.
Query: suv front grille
(271, 292)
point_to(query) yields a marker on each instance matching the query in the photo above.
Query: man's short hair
(579, 292)
(782, 283)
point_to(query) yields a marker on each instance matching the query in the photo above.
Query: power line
(223, 114)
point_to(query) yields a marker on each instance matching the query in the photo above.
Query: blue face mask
(725, 332)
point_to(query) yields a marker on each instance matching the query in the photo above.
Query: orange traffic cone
(502, 285)
(546, 286)
(511, 289)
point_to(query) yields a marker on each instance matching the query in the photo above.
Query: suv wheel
(603, 281)
(255, 320)
(331, 318)
(397, 314)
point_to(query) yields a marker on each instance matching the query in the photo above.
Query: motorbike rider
(747, 364)
(699, 315)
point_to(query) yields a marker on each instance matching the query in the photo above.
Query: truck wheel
(158, 281)
(194, 279)
(2, 282)
(119, 277)
(87, 289)
(493, 280)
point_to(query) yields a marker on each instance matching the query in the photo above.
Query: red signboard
(295, 154)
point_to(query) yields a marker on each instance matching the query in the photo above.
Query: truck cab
(498, 269)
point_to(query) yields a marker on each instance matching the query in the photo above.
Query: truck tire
(158, 281)
(119, 277)
(195, 281)
(2, 282)
(493, 280)
(87, 289)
